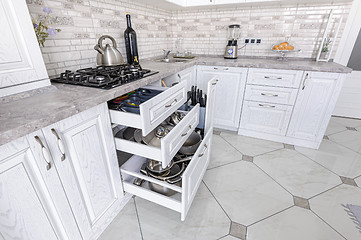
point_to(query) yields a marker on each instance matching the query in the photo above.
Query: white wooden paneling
(21, 61)
(210, 104)
(89, 172)
(271, 94)
(315, 103)
(188, 75)
(231, 85)
(194, 173)
(26, 208)
(274, 77)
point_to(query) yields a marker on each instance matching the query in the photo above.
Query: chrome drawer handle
(185, 134)
(215, 82)
(204, 151)
(169, 105)
(269, 95)
(45, 152)
(179, 76)
(272, 77)
(304, 81)
(266, 105)
(60, 144)
(215, 68)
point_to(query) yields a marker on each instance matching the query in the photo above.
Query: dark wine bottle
(131, 46)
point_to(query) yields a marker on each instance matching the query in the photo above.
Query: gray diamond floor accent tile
(348, 181)
(238, 230)
(358, 181)
(215, 132)
(247, 158)
(301, 202)
(351, 128)
(347, 122)
(289, 146)
(325, 137)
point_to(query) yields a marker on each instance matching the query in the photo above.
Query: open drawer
(170, 144)
(154, 111)
(191, 179)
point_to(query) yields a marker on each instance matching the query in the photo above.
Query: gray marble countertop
(23, 116)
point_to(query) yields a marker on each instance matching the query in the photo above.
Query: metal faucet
(166, 53)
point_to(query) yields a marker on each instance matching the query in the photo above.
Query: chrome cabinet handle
(215, 82)
(269, 95)
(179, 76)
(272, 77)
(266, 105)
(304, 81)
(215, 68)
(45, 152)
(204, 151)
(185, 134)
(60, 144)
(169, 105)
(226, 68)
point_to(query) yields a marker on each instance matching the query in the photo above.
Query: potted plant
(42, 29)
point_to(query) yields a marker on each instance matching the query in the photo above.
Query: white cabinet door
(314, 105)
(26, 208)
(21, 64)
(265, 117)
(85, 157)
(229, 95)
(188, 75)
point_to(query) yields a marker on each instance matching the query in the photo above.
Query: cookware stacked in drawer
(152, 113)
(269, 99)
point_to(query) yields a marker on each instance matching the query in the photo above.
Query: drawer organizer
(152, 113)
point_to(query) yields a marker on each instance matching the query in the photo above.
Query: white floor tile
(295, 172)
(349, 139)
(292, 224)
(358, 182)
(205, 220)
(329, 207)
(251, 146)
(335, 157)
(334, 127)
(124, 226)
(347, 122)
(246, 193)
(222, 153)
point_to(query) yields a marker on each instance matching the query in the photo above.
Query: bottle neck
(129, 25)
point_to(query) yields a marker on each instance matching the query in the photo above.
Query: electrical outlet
(252, 41)
(258, 41)
(246, 40)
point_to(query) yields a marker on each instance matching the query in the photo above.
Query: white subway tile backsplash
(204, 31)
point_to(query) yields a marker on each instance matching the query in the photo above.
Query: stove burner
(103, 76)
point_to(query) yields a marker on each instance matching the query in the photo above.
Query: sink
(172, 60)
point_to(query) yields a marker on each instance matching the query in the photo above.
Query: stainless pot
(155, 167)
(191, 144)
(108, 55)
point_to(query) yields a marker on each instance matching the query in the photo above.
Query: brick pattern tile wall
(203, 31)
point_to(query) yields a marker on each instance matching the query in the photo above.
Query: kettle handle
(100, 41)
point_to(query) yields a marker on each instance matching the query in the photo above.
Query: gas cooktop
(104, 77)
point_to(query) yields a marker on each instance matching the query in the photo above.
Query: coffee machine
(233, 36)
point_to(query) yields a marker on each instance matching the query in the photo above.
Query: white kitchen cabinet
(274, 77)
(191, 177)
(154, 111)
(229, 95)
(188, 75)
(84, 155)
(265, 117)
(314, 105)
(27, 209)
(268, 94)
(21, 64)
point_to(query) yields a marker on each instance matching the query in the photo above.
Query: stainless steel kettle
(108, 55)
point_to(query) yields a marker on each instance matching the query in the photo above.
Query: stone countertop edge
(26, 115)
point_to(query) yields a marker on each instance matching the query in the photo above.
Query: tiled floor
(261, 190)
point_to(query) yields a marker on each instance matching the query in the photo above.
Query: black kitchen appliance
(105, 77)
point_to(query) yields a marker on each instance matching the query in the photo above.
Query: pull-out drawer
(170, 144)
(154, 111)
(266, 117)
(191, 180)
(274, 77)
(271, 94)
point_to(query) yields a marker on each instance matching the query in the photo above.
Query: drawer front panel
(274, 77)
(265, 117)
(271, 94)
(194, 173)
(157, 109)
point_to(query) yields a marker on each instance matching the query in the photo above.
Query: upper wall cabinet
(21, 64)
